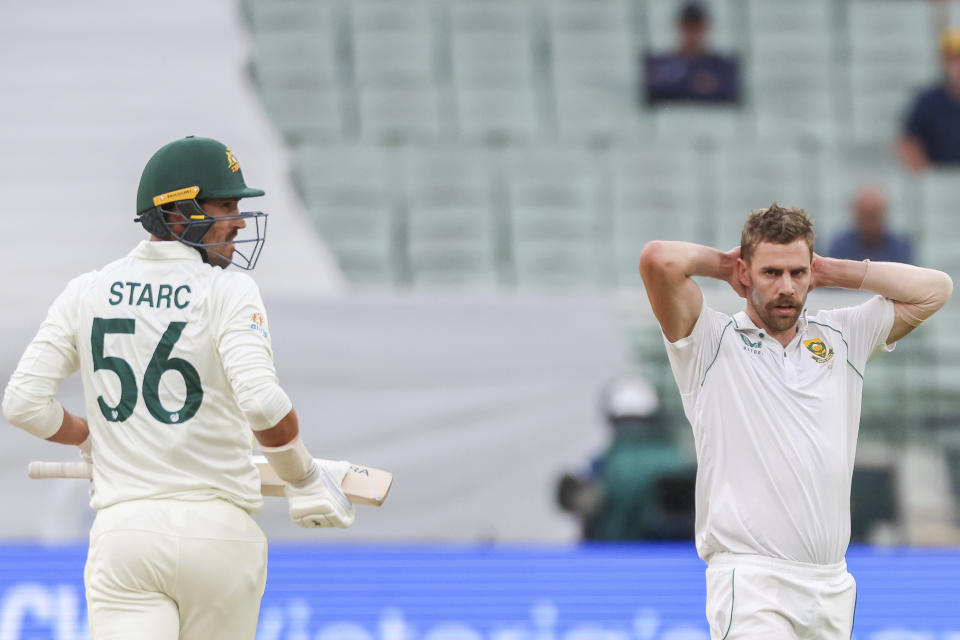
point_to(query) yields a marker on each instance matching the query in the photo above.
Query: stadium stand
(826, 79)
(501, 145)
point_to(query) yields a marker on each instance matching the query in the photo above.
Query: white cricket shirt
(776, 428)
(177, 367)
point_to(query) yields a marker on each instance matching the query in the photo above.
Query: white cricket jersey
(177, 367)
(776, 428)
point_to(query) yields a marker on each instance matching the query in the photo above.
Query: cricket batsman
(177, 368)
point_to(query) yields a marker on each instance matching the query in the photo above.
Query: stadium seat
(892, 55)
(346, 175)
(498, 114)
(294, 60)
(351, 192)
(940, 233)
(491, 44)
(398, 114)
(362, 239)
(452, 230)
(297, 72)
(588, 39)
(306, 115)
(553, 192)
(748, 178)
(318, 16)
(882, 30)
(790, 70)
(453, 246)
(655, 194)
(553, 195)
(940, 195)
(449, 174)
(557, 265)
(601, 114)
(701, 124)
(393, 42)
(787, 18)
(594, 69)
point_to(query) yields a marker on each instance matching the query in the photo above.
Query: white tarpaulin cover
(475, 403)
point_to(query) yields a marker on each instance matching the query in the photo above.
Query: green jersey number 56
(159, 363)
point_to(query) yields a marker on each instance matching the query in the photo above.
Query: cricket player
(773, 396)
(177, 369)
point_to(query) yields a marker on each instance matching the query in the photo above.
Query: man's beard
(216, 257)
(768, 312)
(221, 255)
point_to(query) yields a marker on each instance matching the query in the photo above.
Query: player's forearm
(73, 430)
(904, 283)
(834, 272)
(281, 433)
(675, 259)
(284, 450)
(919, 292)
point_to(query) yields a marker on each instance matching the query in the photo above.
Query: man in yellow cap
(931, 134)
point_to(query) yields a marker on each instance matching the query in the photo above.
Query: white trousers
(175, 569)
(755, 597)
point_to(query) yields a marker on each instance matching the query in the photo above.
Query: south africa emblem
(821, 352)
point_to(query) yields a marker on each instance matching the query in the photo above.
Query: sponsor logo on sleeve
(257, 324)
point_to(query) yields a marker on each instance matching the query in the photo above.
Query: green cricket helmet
(177, 178)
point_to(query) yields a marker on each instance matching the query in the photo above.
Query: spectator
(870, 237)
(931, 133)
(691, 74)
(642, 486)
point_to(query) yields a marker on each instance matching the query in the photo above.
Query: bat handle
(39, 469)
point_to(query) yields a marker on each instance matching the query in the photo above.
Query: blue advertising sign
(621, 592)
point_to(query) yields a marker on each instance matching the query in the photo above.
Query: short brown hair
(781, 225)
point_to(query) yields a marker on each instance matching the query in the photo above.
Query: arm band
(291, 461)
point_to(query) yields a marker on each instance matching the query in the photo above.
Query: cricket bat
(361, 485)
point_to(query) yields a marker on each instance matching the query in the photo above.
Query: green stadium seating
(451, 222)
(393, 43)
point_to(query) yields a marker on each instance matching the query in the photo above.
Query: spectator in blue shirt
(691, 74)
(870, 237)
(931, 133)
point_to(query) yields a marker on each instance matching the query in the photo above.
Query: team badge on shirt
(821, 352)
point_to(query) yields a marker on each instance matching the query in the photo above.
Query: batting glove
(317, 500)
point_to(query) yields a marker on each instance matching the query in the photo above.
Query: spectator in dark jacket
(931, 134)
(870, 237)
(691, 74)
